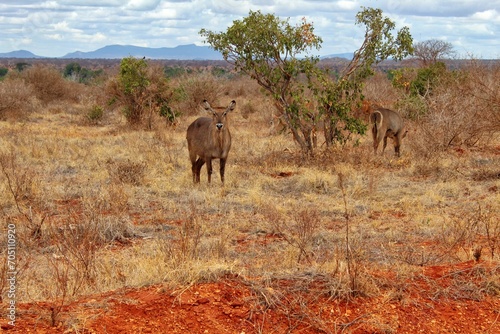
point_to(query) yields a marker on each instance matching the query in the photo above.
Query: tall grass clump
(16, 99)
(48, 84)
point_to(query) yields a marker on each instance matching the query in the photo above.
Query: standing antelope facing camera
(387, 123)
(209, 138)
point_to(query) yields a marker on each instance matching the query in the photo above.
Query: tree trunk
(301, 134)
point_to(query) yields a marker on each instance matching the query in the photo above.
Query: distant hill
(347, 55)
(19, 54)
(181, 52)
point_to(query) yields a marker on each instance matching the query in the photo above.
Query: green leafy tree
(379, 43)
(174, 72)
(336, 100)
(87, 76)
(337, 97)
(72, 70)
(133, 82)
(22, 66)
(418, 85)
(427, 78)
(3, 72)
(76, 72)
(267, 49)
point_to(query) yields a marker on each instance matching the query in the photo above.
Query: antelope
(387, 123)
(209, 138)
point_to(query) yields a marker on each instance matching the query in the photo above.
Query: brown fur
(209, 138)
(387, 123)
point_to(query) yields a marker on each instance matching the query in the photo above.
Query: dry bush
(186, 245)
(472, 232)
(463, 109)
(194, 251)
(94, 102)
(300, 232)
(247, 93)
(473, 284)
(21, 183)
(242, 86)
(196, 87)
(72, 260)
(48, 84)
(128, 172)
(16, 99)
(483, 84)
(20, 179)
(379, 90)
(455, 120)
(158, 98)
(74, 257)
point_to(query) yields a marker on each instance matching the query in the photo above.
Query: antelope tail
(376, 119)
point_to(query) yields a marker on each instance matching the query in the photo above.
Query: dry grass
(102, 207)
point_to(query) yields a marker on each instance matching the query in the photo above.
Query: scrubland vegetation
(102, 201)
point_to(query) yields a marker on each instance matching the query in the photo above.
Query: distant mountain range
(181, 52)
(19, 54)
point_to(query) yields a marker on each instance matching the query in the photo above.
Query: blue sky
(55, 28)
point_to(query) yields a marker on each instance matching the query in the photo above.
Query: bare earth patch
(232, 306)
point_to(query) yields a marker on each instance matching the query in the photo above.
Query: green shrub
(142, 91)
(175, 71)
(427, 78)
(413, 107)
(3, 72)
(79, 74)
(95, 114)
(22, 66)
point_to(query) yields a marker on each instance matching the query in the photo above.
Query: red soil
(232, 305)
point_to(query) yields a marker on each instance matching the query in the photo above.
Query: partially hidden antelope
(209, 138)
(387, 123)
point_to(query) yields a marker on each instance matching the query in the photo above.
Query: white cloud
(348, 5)
(98, 37)
(54, 28)
(91, 3)
(62, 26)
(142, 5)
(56, 37)
(487, 15)
(49, 5)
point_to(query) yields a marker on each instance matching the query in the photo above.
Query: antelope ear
(206, 105)
(231, 106)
